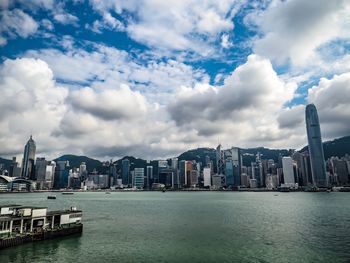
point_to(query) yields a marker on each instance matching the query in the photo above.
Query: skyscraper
(288, 173)
(28, 159)
(318, 166)
(126, 172)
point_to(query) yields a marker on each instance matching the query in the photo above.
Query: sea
(194, 227)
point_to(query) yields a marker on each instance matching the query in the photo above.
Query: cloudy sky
(153, 78)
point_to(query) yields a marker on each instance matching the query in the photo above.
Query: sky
(154, 78)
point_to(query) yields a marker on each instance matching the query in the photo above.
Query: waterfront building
(15, 169)
(166, 177)
(126, 172)
(229, 173)
(149, 176)
(237, 165)
(218, 181)
(253, 183)
(83, 171)
(207, 176)
(220, 160)
(340, 170)
(40, 172)
(302, 168)
(318, 167)
(257, 170)
(139, 178)
(288, 171)
(28, 159)
(61, 174)
(175, 167)
(244, 180)
(193, 178)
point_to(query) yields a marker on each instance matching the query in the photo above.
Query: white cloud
(107, 22)
(66, 19)
(332, 97)
(244, 108)
(30, 102)
(110, 104)
(109, 66)
(225, 42)
(16, 23)
(175, 25)
(293, 30)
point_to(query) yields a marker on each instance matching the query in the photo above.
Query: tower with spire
(28, 159)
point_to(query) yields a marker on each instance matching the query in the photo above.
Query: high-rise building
(61, 174)
(40, 171)
(149, 176)
(50, 173)
(229, 173)
(288, 171)
(175, 167)
(257, 171)
(237, 165)
(139, 178)
(207, 176)
(340, 171)
(28, 159)
(318, 166)
(15, 169)
(220, 160)
(126, 172)
(82, 171)
(182, 173)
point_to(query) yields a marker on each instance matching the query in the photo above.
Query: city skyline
(105, 79)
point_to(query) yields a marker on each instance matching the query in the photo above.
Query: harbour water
(195, 227)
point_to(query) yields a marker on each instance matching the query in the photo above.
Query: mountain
(75, 161)
(198, 154)
(337, 147)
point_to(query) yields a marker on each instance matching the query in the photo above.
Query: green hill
(75, 161)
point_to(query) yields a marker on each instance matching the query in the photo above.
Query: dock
(23, 224)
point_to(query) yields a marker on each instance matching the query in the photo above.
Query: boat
(51, 197)
(67, 193)
(107, 193)
(25, 224)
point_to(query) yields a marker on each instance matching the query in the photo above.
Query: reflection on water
(200, 227)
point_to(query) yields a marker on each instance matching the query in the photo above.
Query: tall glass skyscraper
(318, 166)
(126, 172)
(28, 159)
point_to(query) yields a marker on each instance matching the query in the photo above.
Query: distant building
(40, 171)
(229, 173)
(185, 168)
(15, 170)
(193, 178)
(28, 159)
(149, 176)
(175, 167)
(288, 172)
(126, 172)
(220, 160)
(340, 170)
(218, 181)
(207, 176)
(61, 174)
(318, 167)
(237, 165)
(139, 178)
(50, 173)
(257, 171)
(83, 171)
